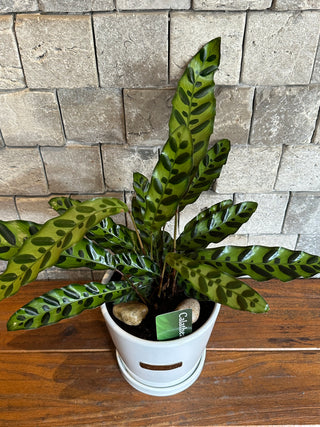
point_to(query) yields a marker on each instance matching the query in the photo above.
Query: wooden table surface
(260, 369)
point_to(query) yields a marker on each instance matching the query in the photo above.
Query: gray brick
(280, 47)
(285, 240)
(7, 6)
(249, 169)
(73, 169)
(30, 118)
(303, 214)
(35, 209)
(120, 163)
(285, 115)
(233, 117)
(269, 216)
(11, 75)
(316, 69)
(299, 169)
(147, 115)
(309, 243)
(92, 115)
(8, 209)
(232, 240)
(132, 49)
(231, 4)
(21, 172)
(204, 27)
(73, 274)
(75, 5)
(153, 4)
(296, 4)
(57, 51)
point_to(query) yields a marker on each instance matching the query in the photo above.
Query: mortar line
(243, 47)
(18, 49)
(285, 212)
(169, 45)
(61, 118)
(102, 168)
(95, 49)
(124, 117)
(44, 168)
(253, 104)
(16, 207)
(278, 169)
(316, 126)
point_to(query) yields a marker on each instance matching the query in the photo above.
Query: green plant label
(175, 324)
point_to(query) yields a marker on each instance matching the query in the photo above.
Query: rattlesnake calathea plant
(153, 264)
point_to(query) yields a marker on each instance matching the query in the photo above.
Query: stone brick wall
(85, 93)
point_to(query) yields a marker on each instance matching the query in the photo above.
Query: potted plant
(153, 267)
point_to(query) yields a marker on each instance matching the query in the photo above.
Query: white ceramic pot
(161, 368)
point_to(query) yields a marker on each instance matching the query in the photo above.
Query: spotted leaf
(43, 249)
(13, 234)
(261, 262)
(215, 224)
(170, 179)
(218, 287)
(88, 254)
(66, 302)
(208, 171)
(61, 204)
(194, 103)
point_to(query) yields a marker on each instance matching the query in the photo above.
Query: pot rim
(168, 343)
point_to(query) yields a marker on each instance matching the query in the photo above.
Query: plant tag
(175, 324)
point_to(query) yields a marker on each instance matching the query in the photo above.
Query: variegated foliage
(149, 260)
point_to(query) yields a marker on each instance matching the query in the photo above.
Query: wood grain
(260, 369)
(235, 388)
(292, 322)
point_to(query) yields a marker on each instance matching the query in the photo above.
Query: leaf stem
(137, 233)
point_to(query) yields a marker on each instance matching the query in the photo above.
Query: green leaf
(107, 233)
(61, 204)
(209, 170)
(215, 224)
(261, 262)
(13, 234)
(219, 287)
(88, 254)
(170, 179)
(116, 237)
(44, 248)
(194, 103)
(66, 302)
(141, 186)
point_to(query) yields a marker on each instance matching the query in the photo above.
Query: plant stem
(161, 280)
(176, 219)
(137, 233)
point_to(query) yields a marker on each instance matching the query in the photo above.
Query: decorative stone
(147, 115)
(124, 162)
(275, 53)
(250, 169)
(231, 4)
(132, 48)
(285, 115)
(57, 50)
(204, 27)
(234, 110)
(30, 118)
(152, 4)
(11, 75)
(76, 5)
(130, 313)
(74, 168)
(299, 169)
(193, 304)
(92, 114)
